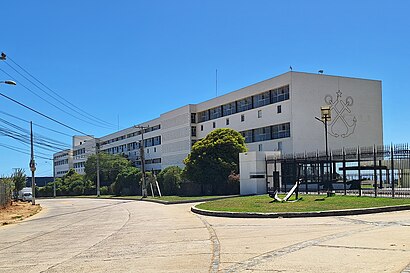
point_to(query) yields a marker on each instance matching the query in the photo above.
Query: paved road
(86, 235)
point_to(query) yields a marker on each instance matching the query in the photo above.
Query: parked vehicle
(27, 197)
(21, 194)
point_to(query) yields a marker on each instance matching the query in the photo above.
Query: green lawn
(263, 203)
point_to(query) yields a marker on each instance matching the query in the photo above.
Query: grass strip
(265, 204)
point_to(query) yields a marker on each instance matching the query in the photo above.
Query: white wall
(308, 92)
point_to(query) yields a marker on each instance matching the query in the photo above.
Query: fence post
(358, 171)
(305, 175)
(318, 172)
(374, 171)
(344, 171)
(392, 170)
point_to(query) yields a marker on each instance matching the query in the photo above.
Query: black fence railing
(364, 171)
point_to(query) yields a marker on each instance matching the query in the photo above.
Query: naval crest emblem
(343, 121)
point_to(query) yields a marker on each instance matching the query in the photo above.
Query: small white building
(277, 114)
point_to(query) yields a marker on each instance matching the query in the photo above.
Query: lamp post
(97, 154)
(325, 118)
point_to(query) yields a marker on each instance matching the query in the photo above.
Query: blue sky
(133, 60)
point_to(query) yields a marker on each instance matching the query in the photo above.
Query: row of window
(149, 161)
(267, 133)
(60, 156)
(193, 128)
(79, 152)
(62, 172)
(79, 165)
(61, 162)
(153, 141)
(136, 133)
(259, 100)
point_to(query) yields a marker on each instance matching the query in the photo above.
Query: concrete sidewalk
(91, 235)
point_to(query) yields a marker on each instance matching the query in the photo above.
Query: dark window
(227, 121)
(280, 94)
(279, 109)
(262, 134)
(229, 109)
(213, 124)
(215, 112)
(242, 118)
(244, 104)
(281, 131)
(261, 99)
(193, 117)
(259, 113)
(203, 116)
(248, 136)
(193, 131)
(202, 127)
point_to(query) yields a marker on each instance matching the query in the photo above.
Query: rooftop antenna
(290, 68)
(320, 71)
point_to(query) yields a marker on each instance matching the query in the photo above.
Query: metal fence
(5, 194)
(364, 171)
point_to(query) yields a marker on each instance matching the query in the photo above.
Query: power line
(38, 125)
(25, 139)
(20, 151)
(37, 136)
(88, 114)
(59, 108)
(41, 114)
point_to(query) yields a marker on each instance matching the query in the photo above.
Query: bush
(127, 182)
(104, 190)
(170, 180)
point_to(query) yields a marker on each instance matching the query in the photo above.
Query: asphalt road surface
(89, 235)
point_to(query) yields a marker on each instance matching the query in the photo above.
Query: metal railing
(364, 171)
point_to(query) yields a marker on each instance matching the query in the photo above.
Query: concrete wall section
(356, 112)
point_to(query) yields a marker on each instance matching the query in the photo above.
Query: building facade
(277, 114)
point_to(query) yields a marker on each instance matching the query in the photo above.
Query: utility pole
(54, 178)
(32, 167)
(97, 152)
(142, 156)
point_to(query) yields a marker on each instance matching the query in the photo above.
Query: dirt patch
(17, 212)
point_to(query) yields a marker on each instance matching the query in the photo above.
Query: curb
(150, 200)
(185, 201)
(298, 214)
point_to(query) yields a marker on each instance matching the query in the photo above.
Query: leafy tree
(110, 167)
(127, 181)
(170, 180)
(19, 180)
(213, 158)
(71, 183)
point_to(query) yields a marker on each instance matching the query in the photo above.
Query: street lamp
(8, 82)
(325, 118)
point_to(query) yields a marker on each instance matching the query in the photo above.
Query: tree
(19, 180)
(72, 183)
(170, 180)
(127, 181)
(110, 167)
(214, 158)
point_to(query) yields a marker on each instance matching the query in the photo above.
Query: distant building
(277, 114)
(40, 181)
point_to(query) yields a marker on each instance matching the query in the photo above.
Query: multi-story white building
(277, 114)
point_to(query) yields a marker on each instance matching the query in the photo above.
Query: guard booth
(255, 174)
